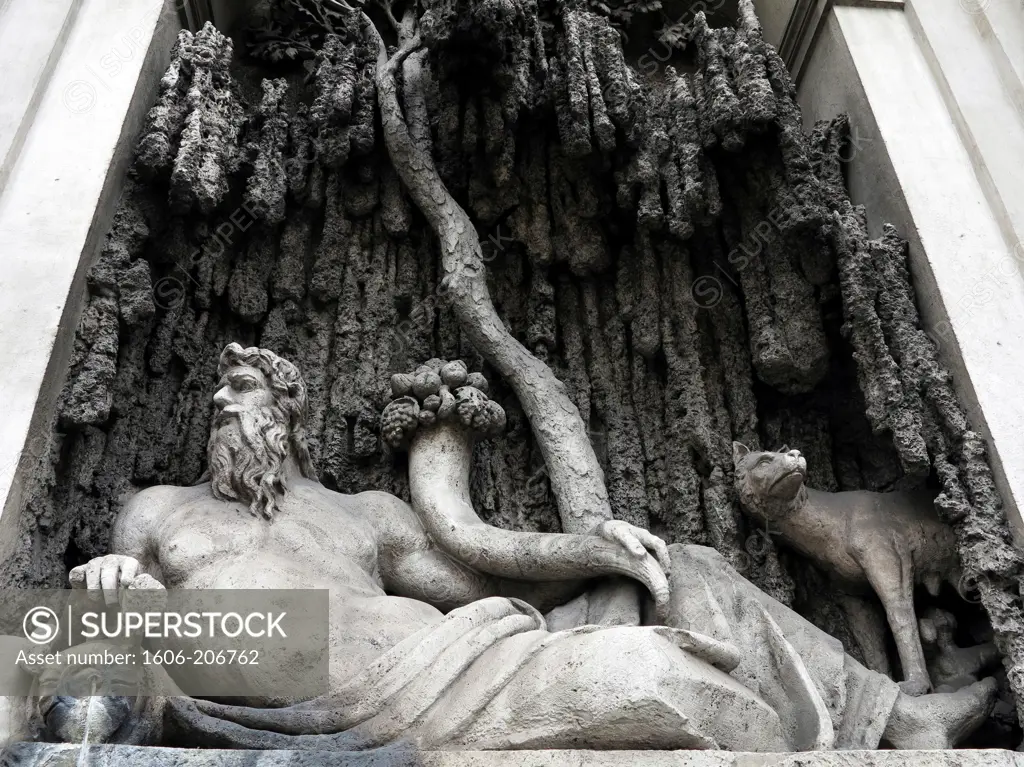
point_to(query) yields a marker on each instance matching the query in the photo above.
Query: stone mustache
(886, 541)
(443, 627)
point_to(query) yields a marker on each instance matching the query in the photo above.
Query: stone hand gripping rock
(886, 541)
(436, 414)
(113, 577)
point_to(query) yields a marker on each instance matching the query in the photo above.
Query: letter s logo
(40, 625)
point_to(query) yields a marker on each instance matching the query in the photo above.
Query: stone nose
(793, 453)
(223, 397)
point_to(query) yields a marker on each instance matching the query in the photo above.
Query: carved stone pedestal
(48, 755)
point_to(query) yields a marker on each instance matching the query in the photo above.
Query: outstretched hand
(650, 554)
(636, 541)
(111, 576)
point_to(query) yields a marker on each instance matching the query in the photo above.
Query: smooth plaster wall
(57, 205)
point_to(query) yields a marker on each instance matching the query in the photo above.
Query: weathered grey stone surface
(437, 638)
(672, 246)
(46, 755)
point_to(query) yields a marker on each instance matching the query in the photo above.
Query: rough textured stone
(130, 756)
(678, 321)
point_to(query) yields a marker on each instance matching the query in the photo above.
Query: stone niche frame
(934, 90)
(88, 70)
(76, 89)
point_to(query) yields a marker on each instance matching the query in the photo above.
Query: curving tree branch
(574, 472)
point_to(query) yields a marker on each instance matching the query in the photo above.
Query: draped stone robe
(748, 674)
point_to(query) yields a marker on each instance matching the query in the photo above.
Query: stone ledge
(49, 755)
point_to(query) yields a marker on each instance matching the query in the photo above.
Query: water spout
(83, 757)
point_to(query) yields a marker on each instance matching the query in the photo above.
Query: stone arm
(412, 566)
(439, 485)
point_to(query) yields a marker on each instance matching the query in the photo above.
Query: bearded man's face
(248, 442)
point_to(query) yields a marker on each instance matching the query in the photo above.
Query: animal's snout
(795, 460)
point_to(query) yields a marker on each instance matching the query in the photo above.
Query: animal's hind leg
(867, 624)
(890, 571)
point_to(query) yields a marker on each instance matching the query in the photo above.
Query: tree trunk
(575, 474)
(576, 478)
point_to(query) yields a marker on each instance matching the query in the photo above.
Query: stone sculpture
(886, 541)
(725, 665)
(118, 716)
(949, 665)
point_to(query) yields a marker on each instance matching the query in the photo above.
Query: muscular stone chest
(205, 541)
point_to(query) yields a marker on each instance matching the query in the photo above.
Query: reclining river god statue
(438, 631)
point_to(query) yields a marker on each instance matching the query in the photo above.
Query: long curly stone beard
(245, 453)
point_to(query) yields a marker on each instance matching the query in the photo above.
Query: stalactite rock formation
(662, 245)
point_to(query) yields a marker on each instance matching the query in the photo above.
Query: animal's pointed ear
(739, 450)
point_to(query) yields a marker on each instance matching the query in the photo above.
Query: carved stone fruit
(399, 420)
(454, 374)
(401, 384)
(425, 384)
(477, 381)
(447, 407)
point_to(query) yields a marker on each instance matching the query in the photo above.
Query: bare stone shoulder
(153, 501)
(141, 512)
(394, 519)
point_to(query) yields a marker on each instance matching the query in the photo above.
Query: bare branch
(406, 49)
(339, 5)
(388, 7)
(384, 65)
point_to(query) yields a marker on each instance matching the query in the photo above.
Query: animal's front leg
(890, 571)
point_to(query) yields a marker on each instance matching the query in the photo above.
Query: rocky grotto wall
(660, 231)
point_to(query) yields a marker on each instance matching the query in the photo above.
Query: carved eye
(763, 460)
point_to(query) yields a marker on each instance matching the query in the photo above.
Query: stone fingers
(103, 576)
(613, 559)
(77, 577)
(657, 582)
(129, 570)
(623, 534)
(638, 541)
(657, 547)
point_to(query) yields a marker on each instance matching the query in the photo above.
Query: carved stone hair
(289, 392)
